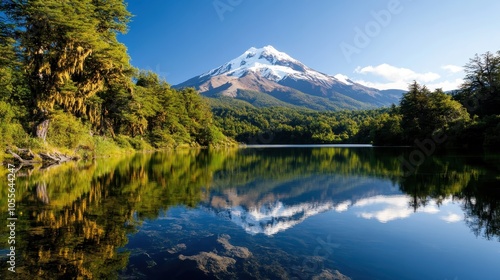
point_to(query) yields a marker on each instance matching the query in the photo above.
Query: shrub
(11, 129)
(138, 143)
(67, 131)
(106, 146)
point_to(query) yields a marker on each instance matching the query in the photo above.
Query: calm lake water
(259, 213)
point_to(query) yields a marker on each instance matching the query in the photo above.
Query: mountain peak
(270, 51)
(283, 79)
(267, 61)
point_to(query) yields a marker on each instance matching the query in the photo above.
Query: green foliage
(482, 132)
(165, 116)
(12, 92)
(279, 125)
(425, 113)
(387, 130)
(68, 132)
(123, 142)
(105, 146)
(10, 128)
(492, 131)
(64, 74)
(70, 49)
(480, 93)
(138, 143)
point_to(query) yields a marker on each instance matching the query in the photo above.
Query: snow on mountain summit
(343, 78)
(270, 64)
(274, 77)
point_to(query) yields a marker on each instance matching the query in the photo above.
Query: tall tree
(8, 59)
(425, 113)
(414, 107)
(480, 92)
(71, 52)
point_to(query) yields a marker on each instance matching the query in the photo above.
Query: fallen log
(27, 157)
(22, 160)
(56, 157)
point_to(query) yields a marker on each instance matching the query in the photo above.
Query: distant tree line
(468, 117)
(280, 125)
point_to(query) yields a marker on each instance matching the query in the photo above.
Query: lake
(287, 212)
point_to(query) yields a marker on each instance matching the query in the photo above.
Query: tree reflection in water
(73, 219)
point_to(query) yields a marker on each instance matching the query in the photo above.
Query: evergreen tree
(425, 113)
(414, 107)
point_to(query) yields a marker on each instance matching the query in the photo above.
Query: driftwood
(27, 157)
(24, 156)
(55, 157)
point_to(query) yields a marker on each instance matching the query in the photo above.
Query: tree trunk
(41, 192)
(42, 128)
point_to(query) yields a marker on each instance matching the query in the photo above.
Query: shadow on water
(74, 220)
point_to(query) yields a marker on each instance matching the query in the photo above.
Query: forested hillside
(66, 82)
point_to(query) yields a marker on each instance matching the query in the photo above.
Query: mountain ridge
(276, 74)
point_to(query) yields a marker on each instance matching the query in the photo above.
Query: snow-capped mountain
(271, 218)
(268, 76)
(280, 206)
(270, 64)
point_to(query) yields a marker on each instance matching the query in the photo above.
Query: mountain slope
(272, 75)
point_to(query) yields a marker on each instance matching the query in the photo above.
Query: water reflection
(74, 220)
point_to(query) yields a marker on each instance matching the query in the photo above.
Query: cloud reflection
(452, 218)
(272, 217)
(389, 208)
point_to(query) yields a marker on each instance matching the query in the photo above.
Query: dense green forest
(66, 83)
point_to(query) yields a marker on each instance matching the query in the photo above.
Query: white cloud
(446, 85)
(453, 68)
(387, 85)
(396, 74)
(387, 214)
(451, 218)
(399, 77)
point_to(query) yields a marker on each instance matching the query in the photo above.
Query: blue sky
(380, 43)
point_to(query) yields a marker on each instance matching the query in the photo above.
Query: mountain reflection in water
(94, 219)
